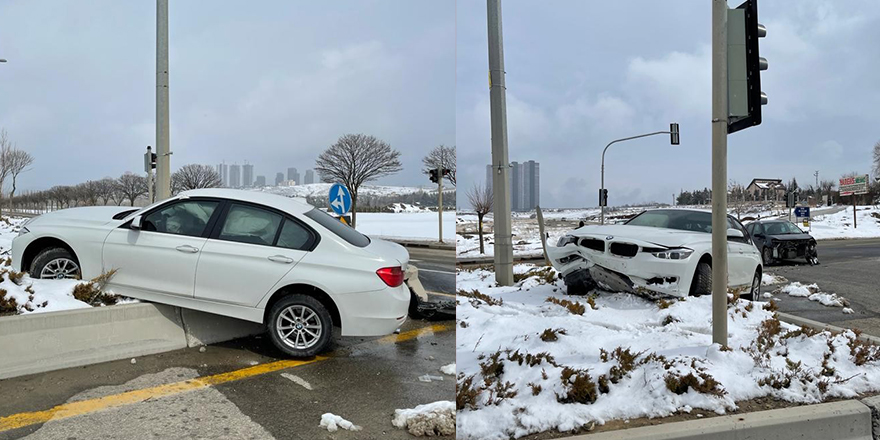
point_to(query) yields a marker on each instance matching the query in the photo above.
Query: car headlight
(566, 239)
(673, 254)
(23, 231)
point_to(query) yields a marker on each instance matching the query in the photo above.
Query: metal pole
(501, 177)
(440, 197)
(719, 172)
(602, 214)
(149, 176)
(163, 149)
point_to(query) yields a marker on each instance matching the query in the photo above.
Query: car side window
(733, 224)
(189, 217)
(294, 236)
(758, 229)
(247, 224)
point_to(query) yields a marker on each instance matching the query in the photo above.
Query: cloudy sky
(582, 73)
(273, 84)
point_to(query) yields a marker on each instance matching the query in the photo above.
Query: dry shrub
(664, 304)
(669, 319)
(92, 292)
(578, 385)
(465, 393)
(15, 276)
(807, 332)
(550, 335)
(492, 368)
(862, 352)
(531, 359)
(771, 306)
(6, 261)
(546, 275)
(7, 303)
(702, 382)
(536, 389)
(574, 307)
(476, 297)
(767, 332)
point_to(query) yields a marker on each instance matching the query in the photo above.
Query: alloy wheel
(60, 269)
(299, 327)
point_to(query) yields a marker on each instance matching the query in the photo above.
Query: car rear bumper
(642, 273)
(374, 313)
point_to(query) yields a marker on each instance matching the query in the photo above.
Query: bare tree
(132, 186)
(355, 159)
(105, 189)
(826, 187)
(441, 157)
(480, 197)
(877, 159)
(18, 161)
(6, 148)
(194, 176)
(736, 197)
(89, 192)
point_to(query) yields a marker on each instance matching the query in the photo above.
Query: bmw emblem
(610, 237)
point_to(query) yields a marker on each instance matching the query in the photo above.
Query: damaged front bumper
(794, 249)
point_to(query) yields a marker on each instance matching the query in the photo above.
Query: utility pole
(149, 168)
(163, 149)
(501, 176)
(719, 172)
(440, 198)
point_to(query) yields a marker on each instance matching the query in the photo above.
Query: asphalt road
(236, 390)
(849, 268)
(436, 268)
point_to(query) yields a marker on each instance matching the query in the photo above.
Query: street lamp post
(673, 132)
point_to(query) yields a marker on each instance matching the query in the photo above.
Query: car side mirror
(136, 223)
(734, 233)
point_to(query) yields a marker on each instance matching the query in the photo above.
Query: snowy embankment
(840, 224)
(413, 226)
(531, 358)
(21, 294)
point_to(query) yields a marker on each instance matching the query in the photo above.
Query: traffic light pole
(501, 176)
(719, 172)
(602, 189)
(440, 199)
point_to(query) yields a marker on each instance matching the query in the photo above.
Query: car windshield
(781, 228)
(347, 233)
(696, 221)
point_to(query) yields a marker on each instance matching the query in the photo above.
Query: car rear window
(345, 232)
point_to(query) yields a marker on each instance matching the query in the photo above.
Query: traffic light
(673, 133)
(744, 66)
(149, 160)
(446, 172)
(433, 174)
(603, 197)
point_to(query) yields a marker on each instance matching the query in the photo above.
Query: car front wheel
(300, 326)
(702, 283)
(767, 256)
(55, 264)
(755, 290)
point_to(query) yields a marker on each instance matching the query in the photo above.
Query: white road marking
(297, 380)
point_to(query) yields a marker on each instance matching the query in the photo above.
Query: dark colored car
(782, 240)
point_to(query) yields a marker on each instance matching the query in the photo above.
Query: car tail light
(392, 276)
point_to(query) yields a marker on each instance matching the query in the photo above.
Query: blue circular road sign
(340, 199)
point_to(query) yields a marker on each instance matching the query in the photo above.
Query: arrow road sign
(340, 199)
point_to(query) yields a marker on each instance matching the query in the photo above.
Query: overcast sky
(582, 73)
(270, 82)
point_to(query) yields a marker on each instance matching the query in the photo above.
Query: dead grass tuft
(574, 307)
(771, 306)
(7, 303)
(92, 292)
(578, 385)
(669, 319)
(545, 275)
(702, 382)
(550, 335)
(862, 352)
(476, 297)
(465, 393)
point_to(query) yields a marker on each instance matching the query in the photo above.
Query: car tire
(767, 256)
(305, 321)
(59, 261)
(755, 289)
(702, 283)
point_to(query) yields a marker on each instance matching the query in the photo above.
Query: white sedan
(661, 252)
(248, 255)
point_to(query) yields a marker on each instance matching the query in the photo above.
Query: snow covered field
(406, 225)
(532, 359)
(840, 224)
(322, 189)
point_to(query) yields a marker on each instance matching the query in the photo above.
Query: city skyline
(525, 184)
(244, 176)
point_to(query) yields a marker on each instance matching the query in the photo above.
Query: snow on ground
(840, 224)
(531, 358)
(415, 226)
(323, 189)
(812, 292)
(406, 207)
(769, 279)
(430, 419)
(332, 423)
(448, 369)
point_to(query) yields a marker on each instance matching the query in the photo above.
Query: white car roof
(286, 204)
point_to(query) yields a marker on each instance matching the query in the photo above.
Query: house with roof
(766, 190)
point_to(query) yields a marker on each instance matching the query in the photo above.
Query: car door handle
(281, 259)
(188, 249)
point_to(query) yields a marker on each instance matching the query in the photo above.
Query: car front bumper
(643, 273)
(374, 313)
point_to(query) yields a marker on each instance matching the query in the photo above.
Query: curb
(41, 342)
(491, 260)
(846, 420)
(821, 326)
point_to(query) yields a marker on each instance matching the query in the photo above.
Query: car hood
(791, 237)
(642, 234)
(389, 250)
(90, 215)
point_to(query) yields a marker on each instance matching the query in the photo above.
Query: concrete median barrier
(41, 342)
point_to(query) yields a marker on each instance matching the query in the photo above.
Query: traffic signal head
(603, 197)
(744, 66)
(673, 133)
(433, 175)
(446, 171)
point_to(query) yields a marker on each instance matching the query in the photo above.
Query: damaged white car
(658, 253)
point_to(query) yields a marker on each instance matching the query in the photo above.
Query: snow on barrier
(40, 342)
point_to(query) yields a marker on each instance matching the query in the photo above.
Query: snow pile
(769, 279)
(448, 369)
(431, 419)
(332, 423)
(406, 207)
(532, 359)
(812, 292)
(840, 224)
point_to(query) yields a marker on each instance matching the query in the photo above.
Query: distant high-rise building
(279, 178)
(260, 182)
(525, 184)
(293, 175)
(223, 171)
(247, 176)
(310, 177)
(235, 176)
